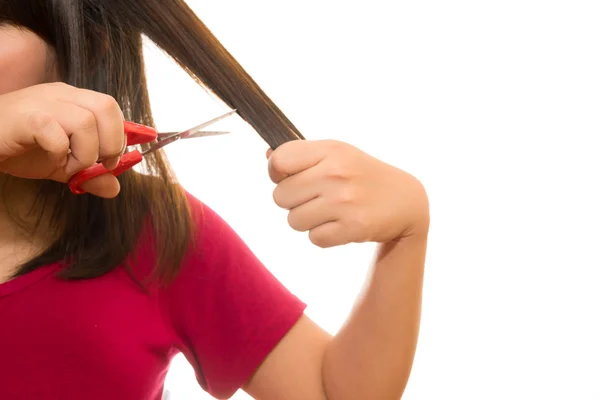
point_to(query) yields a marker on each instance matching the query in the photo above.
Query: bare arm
(371, 356)
(341, 195)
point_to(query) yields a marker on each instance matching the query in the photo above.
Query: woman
(99, 291)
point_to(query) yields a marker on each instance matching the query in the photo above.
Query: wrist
(418, 232)
(407, 251)
(415, 215)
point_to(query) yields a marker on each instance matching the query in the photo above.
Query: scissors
(138, 134)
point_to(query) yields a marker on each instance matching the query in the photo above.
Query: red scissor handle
(128, 160)
(136, 134)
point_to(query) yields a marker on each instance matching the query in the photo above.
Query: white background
(494, 105)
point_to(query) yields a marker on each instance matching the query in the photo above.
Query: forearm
(372, 355)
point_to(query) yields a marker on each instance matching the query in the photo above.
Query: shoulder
(218, 256)
(212, 236)
(225, 308)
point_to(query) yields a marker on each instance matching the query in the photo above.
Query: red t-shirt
(105, 338)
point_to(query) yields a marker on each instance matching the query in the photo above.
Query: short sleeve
(226, 310)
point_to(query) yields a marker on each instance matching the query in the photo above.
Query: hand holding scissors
(138, 134)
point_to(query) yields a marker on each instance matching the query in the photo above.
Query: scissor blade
(188, 135)
(197, 129)
(163, 142)
(214, 120)
(205, 134)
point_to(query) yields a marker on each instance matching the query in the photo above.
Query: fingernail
(124, 148)
(112, 163)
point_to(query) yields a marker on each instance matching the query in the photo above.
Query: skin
(43, 119)
(332, 190)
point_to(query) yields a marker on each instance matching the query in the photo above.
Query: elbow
(364, 395)
(362, 389)
(343, 379)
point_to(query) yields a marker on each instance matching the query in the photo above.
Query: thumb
(106, 186)
(294, 157)
(276, 173)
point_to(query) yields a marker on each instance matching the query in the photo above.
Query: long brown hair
(98, 45)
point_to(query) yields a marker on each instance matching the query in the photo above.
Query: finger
(329, 235)
(53, 139)
(109, 119)
(80, 125)
(293, 157)
(111, 163)
(311, 215)
(110, 125)
(106, 186)
(39, 129)
(274, 173)
(298, 189)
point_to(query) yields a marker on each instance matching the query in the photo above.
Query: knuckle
(38, 121)
(336, 169)
(86, 121)
(295, 223)
(335, 144)
(61, 144)
(279, 197)
(277, 162)
(58, 85)
(346, 195)
(319, 239)
(107, 103)
(115, 145)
